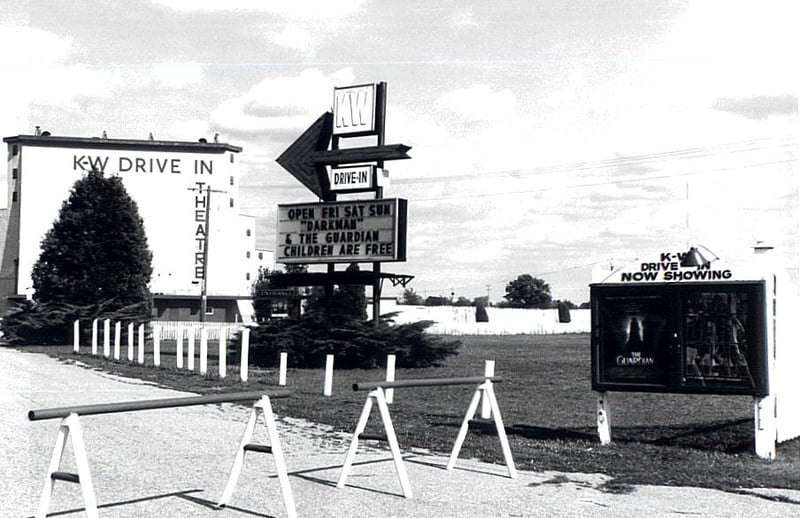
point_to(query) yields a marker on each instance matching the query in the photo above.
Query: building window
(14, 150)
(247, 276)
(209, 310)
(231, 180)
(14, 196)
(248, 232)
(261, 255)
(231, 202)
(14, 173)
(248, 254)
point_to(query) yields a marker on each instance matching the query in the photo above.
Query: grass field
(547, 405)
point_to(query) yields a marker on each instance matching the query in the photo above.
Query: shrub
(50, 323)
(355, 344)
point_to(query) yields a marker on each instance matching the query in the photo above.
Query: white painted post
(117, 338)
(157, 345)
(390, 362)
(488, 371)
(603, 418)
(76, 336)
(140, 357)
(94, 337)
(179, 348)
(328, 388)
(130, 341)
(106, 338)
(245, 354)
(203, 350)
(282, 370)
(766, 432)
(223, 352)
(190, 349)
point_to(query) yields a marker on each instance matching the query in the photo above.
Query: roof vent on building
(216, 137)
(203, 141)
(105, 135)
(150, 136)
(45, 133)
(37, 131)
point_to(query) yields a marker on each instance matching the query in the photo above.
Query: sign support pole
(603, 418)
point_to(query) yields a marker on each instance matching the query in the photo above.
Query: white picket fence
(187, 333)
(170, 329)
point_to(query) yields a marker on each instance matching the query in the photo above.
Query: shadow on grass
(730, 437)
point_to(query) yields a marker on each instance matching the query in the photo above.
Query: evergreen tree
(96, 252)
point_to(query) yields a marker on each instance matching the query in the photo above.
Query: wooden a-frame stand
(484, 390)
(265, 408)
(377, 396)
(70, 429)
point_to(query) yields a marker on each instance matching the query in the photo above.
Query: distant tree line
(525, 291)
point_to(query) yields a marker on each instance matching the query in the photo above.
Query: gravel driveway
(175, 462)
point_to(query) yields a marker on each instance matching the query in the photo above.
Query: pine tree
(96, 253)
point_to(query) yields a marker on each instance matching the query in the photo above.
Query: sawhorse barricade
(378, 397)
(70, 428)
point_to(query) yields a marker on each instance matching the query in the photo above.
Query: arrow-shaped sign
(297, 157)
(307, 157)
(358, 155)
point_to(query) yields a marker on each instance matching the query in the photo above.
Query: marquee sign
(342, 232)
(666, 267)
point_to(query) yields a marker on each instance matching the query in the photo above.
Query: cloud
(463, 18)
(295, 9)
(32, 47)
(36, 74)
(757, 107)
(479, 103)
(177, 75)
(284, 105)
(300, 25)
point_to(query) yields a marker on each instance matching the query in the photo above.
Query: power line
(681, 154)
(695, 153)
(604, 183)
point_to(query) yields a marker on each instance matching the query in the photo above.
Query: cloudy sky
(548, 137)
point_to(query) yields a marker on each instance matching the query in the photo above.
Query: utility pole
(206, 219)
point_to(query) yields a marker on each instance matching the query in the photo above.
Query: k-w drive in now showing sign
(342, 232)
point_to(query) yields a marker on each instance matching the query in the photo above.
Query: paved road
(174, 463)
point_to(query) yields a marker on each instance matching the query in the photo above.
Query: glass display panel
(718, 337)
(634, 338)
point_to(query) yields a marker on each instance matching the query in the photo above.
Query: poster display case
(682, 337)
(675, 323)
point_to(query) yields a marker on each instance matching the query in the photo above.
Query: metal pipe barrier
(425, 382)
(130, 406)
